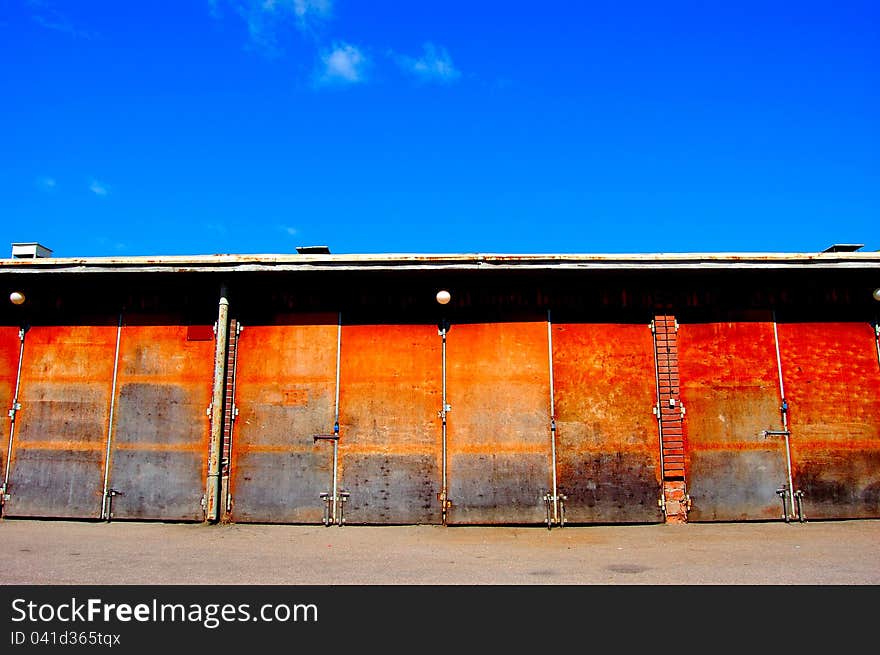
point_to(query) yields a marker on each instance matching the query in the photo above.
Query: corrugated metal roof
(458, 261)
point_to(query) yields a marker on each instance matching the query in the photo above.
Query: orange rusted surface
(9, 352)
(389, 447)
(608, 457)
(832, 384)
(498, 385)
(730, 390)
(58, 450)
(161, 431)
(285, 392)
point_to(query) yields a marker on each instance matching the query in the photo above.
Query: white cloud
(50, 18)
(290, 231)
(266, 19)
(434, 65)
(344, 64)
(47, 183)
(98, 188)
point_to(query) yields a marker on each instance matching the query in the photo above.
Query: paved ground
(70, 552)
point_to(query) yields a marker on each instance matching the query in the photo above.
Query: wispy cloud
(51, 18)
(288, 230)
(266, 20)
(343, 64)
(99, 188)
(47, 183)
(435, 65)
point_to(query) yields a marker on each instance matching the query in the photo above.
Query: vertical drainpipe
(105, 510)
(335, 496)
(784, 411)
(212, 490)
(552, 418)
(443, 411)
(13, 411)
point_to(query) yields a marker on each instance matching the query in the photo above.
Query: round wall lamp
(876, 294)
(443, 296)
(16, 297)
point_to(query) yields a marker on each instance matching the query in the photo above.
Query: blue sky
(254, 126)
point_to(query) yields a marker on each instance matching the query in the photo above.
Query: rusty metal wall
(608, 454)
(832, 384)
(160, 435)
(730, 390)
(389, 449)
(285, 392)
(499, 427)
(9, 354)
(57, 463)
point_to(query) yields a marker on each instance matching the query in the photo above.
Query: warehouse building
(441, 389)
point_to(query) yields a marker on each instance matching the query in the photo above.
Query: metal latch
(555, 509)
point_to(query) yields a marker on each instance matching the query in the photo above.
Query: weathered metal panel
(498, 385)
(58, 450)
(832, 384)
(285, 392)
(389, 448)
(730, 389)
(9, 353)
(608, 453)
(161, 432)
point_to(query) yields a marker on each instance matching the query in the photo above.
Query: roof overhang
(413, 262)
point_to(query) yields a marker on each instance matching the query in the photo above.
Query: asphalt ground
(50, 552)
(727, 586)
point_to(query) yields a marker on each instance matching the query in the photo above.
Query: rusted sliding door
(285, 392)
(57, 462)
(730, 389)
(499, 465)
(832, 384)
(608, 455)
(390, 441)
(160, 436)
(10, 352)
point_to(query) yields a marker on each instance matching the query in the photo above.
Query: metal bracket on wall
(556, 503)
(334, 501)
(108, 500)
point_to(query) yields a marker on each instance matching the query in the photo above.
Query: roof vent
(29, 251)
(313, 250)
(844, 247)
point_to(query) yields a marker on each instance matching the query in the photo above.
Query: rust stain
(65, 396)
(60, 445)
(833, 391)
(9, 351)
(608, 444)
(161, 433)
(285, 392)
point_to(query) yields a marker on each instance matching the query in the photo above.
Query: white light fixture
(16, 297)
(443, 296)
(876, 294)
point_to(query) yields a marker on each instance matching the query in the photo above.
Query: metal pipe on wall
(13, 411)
(336, 419)
(784, 410)
(212, 486)
(443, 411)
(552, 418)
(105, 510)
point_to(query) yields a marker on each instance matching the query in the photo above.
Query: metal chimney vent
(844, 247)
(30, 251)
(313, 250)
